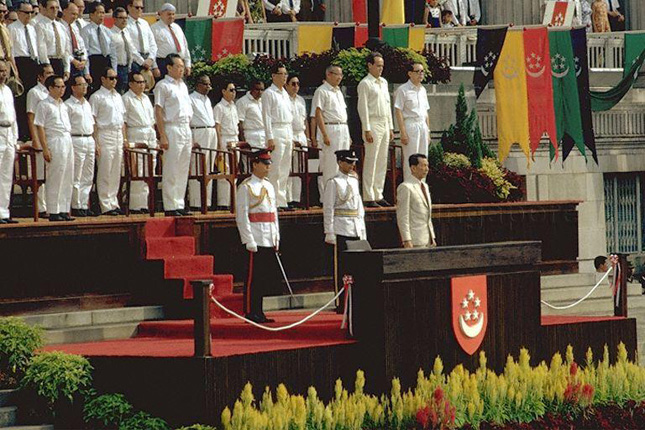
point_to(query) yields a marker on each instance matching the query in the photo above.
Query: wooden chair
(204, 168)
(242, 151)
(140, 166)
(392, 169)
(25, 175)
(300, 169)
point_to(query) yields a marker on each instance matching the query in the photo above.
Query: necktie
(174, 38)
(103, 45)
(78, 25)
(423, 191)
(611, 6)
(128, 56)
(291, 4)
(30, 46)
(142, 48)
(74, 41)
(59, 48)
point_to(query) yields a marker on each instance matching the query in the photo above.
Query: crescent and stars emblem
(578, 68)
(559, 66)
(489, 61)
(535, 67)
(471, 320)
(510, 69)
(558, 20)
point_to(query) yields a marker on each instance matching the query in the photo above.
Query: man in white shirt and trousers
(343, 213)
(300, 128)
(170, 39)
(53, 46)
(140, 129)
(110, 138)
(278, 117)
(464, 12)
(82, 123)
(173, 112)
(8, 144)
(202, 125)
(226, 124)
(414, 206)
(249, 111)
(411, 110)
(378, 130)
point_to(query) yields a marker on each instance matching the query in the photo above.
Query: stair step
(186, 267)
(100, 316)
(40, 427)
(234, 302)
(298, 301)
(159, 247)
(159, 227)
(7, 396)
(93, 333)
(568, 280)
(8, 416)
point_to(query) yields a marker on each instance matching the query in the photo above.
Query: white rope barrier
(582, 299)
(286, 327)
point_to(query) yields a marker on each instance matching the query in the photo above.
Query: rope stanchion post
(621, 275)
(201, 306)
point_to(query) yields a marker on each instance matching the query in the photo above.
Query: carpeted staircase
(180, 263)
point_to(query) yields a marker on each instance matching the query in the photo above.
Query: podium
(405, 315)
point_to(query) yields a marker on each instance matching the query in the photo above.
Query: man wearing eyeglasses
(140, 127)
(142, 37)
(98, 40)
(411, 111)
(226, 124)
(249, 110)
(82, 124)
(8, 144)
(53, 45)
(300, 128)
(109, 135)
(202, 126)
(54, 133)
(123, 49)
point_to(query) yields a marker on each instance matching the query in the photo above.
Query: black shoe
(9, 221)
(66, 216)
(184, 212)
(371, 204)
(222, 208)
(265, 320)
(172, 213)
(2, 221)
(43, 215)
(89, 212)
(113, 212)
(136, 212)
(119, 211)
(254, 317)
(384, 203)
(79, 213)
(197, 209)
(56, 217)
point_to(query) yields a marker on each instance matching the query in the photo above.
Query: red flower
(573, 369)
(423, 415)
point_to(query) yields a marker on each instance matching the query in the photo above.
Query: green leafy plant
(397, 61)
(107, 411)
(354, 64)
(457, 161)
(311, 67)
(197, 427)
(143, 421)
(18, 343)
(438, 68)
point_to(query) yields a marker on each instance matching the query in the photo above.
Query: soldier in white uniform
(257, 221)
(53, 127)
(414, 206)
(278, 116)
(226, 124)
(140, 129)
(300, 127)
(378, 130)
(343, 212)
(202, 126)
(173, 112)
(110, 138)
(411, 110)
(330, 111)
(249, 110)
(8, 144)
(82, 123)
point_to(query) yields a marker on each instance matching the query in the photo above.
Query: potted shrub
(18, 343)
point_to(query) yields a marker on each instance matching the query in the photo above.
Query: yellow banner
(314, 38)
(511, 96)
(393, 12)
(150, 18)
(417, 38)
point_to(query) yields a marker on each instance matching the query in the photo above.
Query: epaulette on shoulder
(244, 182)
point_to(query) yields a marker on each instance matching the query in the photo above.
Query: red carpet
(573, 319)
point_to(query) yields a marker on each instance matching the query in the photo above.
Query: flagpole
(373, 25)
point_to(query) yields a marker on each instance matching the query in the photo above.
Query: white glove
(330, 239)
(252, 247)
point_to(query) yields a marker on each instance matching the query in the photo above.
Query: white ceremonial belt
(349, 213)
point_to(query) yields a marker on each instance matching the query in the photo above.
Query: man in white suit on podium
(414, 206)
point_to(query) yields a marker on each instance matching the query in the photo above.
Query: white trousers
(375, 163)
(138, 189)
(281, 156)
(207, 138)
(176, 162)
(7, 157)
(418, 141)
(40, 175)
(110, 160)
(255, 138)
(223, 186)
(294, 190)
(84, 159)
(339, 140)
(60, 174)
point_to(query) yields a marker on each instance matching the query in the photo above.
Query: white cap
(168, 7)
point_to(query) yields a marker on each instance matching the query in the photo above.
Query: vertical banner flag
(181, 22)
(634, 46)
(605, 100)
(359, 11)
(217, 8)
(396, 37)
(566, 102)
(558, 13)
(579, 41)
(417, 38)
(392, 12)
(151, 19)
(343, 37)
(199, 36)
(539, 88)
(361, 34)
(314, 38)
(489, 46)
(227, 37)
(108, 21)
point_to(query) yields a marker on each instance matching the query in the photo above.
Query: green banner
(601, 101)
(199, 36)
(396, 37)
(634, 46)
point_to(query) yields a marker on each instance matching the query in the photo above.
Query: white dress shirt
(119, 40)
(53, 116)
(166, 43)
(253, 234)
(276, 108)
(299, 115)
(202, 111)
(80, 116)
(47, 46)
(172, 96)
(226, 116)
(8, 111)
(373, 101)
(107, 108)
(35, 96)
(331, 102)
(285, 5)
(94, 46)
(142, 38)
(343, 211)
(80, 45)
(139, 112)
(19, 40)
(80, 23)
(412, 101)
(249, 110)
(462, 10)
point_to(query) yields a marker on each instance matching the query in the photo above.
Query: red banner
(359, 11)
(228, 37)
(558, 19)
(539, 87)
(360, 36)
